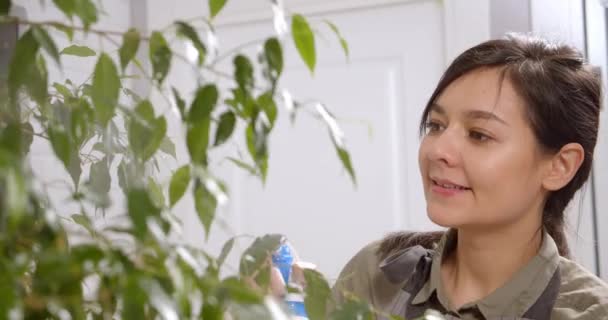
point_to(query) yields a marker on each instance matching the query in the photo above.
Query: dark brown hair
(562, 94)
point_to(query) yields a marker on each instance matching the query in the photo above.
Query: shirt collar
(512, 299)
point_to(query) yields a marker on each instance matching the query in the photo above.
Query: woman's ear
(563, 166)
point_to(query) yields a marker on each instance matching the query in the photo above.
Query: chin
(444, 217)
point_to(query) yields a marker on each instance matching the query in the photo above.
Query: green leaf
(60, 142)
(27, 137)
(181, 104)
(67, 6)
(86, 11)
(74, 169)
(63, 90)
(245, 166)
(239, 292)
(226, 248)
(257, 145)
(179, 184)
(130, 43)
(160, 56)
(81, 123)
(243, 72)
(318, 294)
(156, 192)
(274, 55)
(5, 7)
(84, 221)
(345, 159)
(266, 102)
(167, 146)
(46, 42)
(197, 140)
(67, 30)
(140, 207)
(79, 51)
(225, 127)
(215, 6)
(143, 124)
(304, 40)
(187, 31)
(203, 104)
(105, 89)
(99, 177)
(27, 71)
(257, 254)
(205, 204)
(343, 41)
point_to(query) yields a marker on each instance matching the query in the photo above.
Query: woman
(508, 138)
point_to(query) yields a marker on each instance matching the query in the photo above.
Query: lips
(447, 184)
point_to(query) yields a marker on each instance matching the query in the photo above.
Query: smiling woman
(507, 139)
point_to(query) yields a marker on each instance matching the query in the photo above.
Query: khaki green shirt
(580, 294)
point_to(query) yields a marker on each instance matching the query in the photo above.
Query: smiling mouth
(449, 186)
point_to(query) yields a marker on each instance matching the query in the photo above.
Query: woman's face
(480, 163)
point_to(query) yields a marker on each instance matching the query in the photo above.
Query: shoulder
(362, 276)
(582, 295)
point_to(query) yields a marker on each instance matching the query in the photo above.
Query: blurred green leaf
(239, 292)
(197, 140)
(274, 55)
(243, 165)
(86, 11)
(215, 6)
(266, 102)
(179, 184)
(156, 192)
(187, 31)
(67, 6)
(318, 294)
(67, 30)
(16, 193)
(226, 248)
(5, 8)
(203, 104)
(345, 159)
(140, 208)
(46, 42)
(167, 146)
(81, 123)
(27, 71)
(257, 145)
(84, 221)
(160, 56)
(180, 103)
(60, 142)
(134, 298)
(106, 88)
(79, 51)
(27, 137)
(343, 41)
(23, 58)
(304, 40)
(99, 177)
(63, 90)
(144, 124)
(225, 127)
(74, 169)
(243, 72)
(130, 43)
(205, 204)
(258, 253)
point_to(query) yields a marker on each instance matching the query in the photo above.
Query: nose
(444, 148)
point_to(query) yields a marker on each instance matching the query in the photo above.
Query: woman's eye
(478, 136)
(432, 127)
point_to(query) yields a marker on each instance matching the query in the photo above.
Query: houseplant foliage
(102, 131)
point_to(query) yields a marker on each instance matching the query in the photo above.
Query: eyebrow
(472, 114)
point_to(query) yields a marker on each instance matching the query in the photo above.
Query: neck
(484, 260)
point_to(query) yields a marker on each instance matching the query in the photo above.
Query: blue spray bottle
(283, 259)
